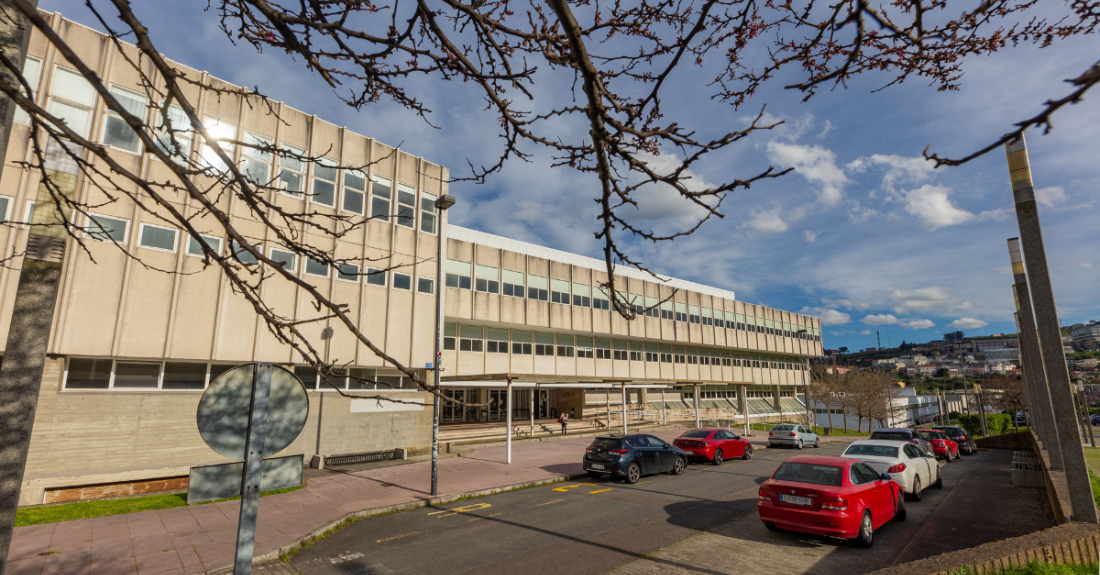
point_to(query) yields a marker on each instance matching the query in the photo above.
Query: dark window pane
(184, 376)
(136, 374)
(88, 374)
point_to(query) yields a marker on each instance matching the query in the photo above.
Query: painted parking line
(549, 502)
(566, 488)
(599, 491)
(395, 537)
(463, 509)
(486, 517)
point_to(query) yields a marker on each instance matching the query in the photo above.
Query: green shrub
(998, 424)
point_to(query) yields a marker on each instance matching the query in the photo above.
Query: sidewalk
(198, 539)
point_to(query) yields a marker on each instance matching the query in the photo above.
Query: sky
(863, 234)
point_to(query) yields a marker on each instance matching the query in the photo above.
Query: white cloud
(934, 209)
(967, 323)
(926, 299)
(1051, 196)
(858, 214)
(897, 168)
(810, 235)
(1085, 265)
(880, 319)
(767, 221)
(865, 332)
(828, 128)
(913, 323)
(828, 316)
(850, 304)
(816, 164)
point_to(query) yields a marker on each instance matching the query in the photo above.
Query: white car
(905, 462)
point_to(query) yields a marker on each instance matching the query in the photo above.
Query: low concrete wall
(1055, 481)
(1022, 441)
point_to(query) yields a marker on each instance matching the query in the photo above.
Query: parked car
(714, 445)
(1022, 418)
(793, 435)
(903, 434)
(910, 467)
(632, 456)
(959, 435)
(1095, 418)
(831, 496)
(942, 445)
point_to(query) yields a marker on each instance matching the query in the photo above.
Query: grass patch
(836, 432)
(1038, 569)
(1095, 481)
(90, 509)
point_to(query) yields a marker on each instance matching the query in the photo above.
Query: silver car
(794, 435)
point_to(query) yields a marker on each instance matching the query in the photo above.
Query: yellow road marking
(486, 517)
(396, 537)
(600, 490)
(566, 488)
(464, 509)
(549, 502)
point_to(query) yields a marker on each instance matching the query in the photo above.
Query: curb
(335, 525)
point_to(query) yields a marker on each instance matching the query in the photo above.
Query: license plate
(795, 499)
(596, 466)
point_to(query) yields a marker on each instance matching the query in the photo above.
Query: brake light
(770, 433)
(590, 450)
(835, 504)
(897, 468)
(793, 435)
(962, 438)
(763, 496)
(618, 452)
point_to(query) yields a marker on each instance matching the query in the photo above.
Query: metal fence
(362, 457)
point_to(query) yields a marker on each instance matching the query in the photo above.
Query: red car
(942, 445)
(831, 496)
(714, 445)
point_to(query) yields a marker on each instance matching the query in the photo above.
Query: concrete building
(1086, 338)
(132, 349)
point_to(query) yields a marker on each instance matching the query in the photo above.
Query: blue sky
(864, 234)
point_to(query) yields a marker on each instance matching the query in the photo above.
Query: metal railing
(362, 457)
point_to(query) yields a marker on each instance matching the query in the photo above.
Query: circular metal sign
(223, 411)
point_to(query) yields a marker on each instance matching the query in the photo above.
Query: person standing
(563, 419)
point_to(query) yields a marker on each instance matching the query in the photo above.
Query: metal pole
(442, 204)
(696, 396)
(1032, 358)
(534, 390)
(508, 416)
(1050, 337)
(253, 469)
(664, 408)
(624, 408)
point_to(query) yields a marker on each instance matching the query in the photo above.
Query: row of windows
(489, 279)
(479, 339)
(112, 374)
(72, 99)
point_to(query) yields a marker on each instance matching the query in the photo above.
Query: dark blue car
(632, 456)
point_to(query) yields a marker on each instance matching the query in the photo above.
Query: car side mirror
(737, 437)
(885, 477)
(666, 446)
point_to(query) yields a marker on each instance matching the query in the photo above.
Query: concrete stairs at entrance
(471, 432)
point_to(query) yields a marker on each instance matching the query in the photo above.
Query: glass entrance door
(543, 404)
(453, 412)
(498, 404)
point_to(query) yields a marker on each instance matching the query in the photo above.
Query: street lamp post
(441, 205)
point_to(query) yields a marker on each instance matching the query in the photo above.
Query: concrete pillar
(508, 417)
(624, 408)
(664, 408)
(534, 390)
(743, 398)
(1032, 359)
(778, 400)
(695, 396)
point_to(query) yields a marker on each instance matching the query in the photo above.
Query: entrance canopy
(521, 381)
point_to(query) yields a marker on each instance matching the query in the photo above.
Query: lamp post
(441, 205)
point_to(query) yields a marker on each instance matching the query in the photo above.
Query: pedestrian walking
(564, 421)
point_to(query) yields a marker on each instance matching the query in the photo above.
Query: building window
(488, 279)
(521, 343)
(308, 375)
(324, 182)
(680, 355)
(582, 295)
(136, 374)
(681, 311)
(497, 340)
(427, 212)
(184, 376)
(406, 206)
(458, 274)
(221, 133)
(316, 268)
(651, 308)
(157, 238)
(602, 299)
(116, 132)
(425, 285)
(472, 338)
(350, 273)
(107, 228)
(71, 100)
(376, 277)
(355, 190)
(402, 281)
(565, 346)
(693, 314)
(538, 288)
(173, 133)
(603, 348)
(513, 283)
(559, 292)
(292, 171)
(707, 318)
(636, 303)
(666, 310)
(620, 352)
(666, 354)
(637, 351)
(88, 374)
(257, 158)
(692, 356)
(32, 69)
(544, 344)
(448, 336)
(381, 194)
(5, 203)
(194, 247)
(289, 260)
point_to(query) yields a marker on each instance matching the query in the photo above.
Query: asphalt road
(587, 526)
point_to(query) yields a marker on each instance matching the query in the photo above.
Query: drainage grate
(363, 457)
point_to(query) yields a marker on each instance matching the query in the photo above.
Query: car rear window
(697, 434)
(605, 443)
(809, 473)
(891, 435)
(930, 435)
(872, 450)
(783, 428)
(951, 432)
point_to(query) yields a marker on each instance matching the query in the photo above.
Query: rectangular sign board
(212, 482)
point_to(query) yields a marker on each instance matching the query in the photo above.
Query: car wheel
(595, 474)
(771, 526)
(866, 536)
(900, 512)
(917, 494)
(679, 467)
(718, 457)
(799, 446)
(939, 481)
(817, 443)
(748, 453)
(633, 473)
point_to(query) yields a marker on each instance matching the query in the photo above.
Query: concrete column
(534, 390)
(664, 408)
(743, 397)
(508, 417)
(778, 400)
(624, 408)
(695, 396)
(1032, 359)
(1049, 330)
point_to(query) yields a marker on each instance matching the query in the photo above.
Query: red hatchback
(831, 496)
(942, 445)
(714, 445)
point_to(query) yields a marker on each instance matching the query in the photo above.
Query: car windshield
(698, 434)
(605, 443)
(872, 450)
(783, 428)
(809, 473)
(891, 435)
(930, 435)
